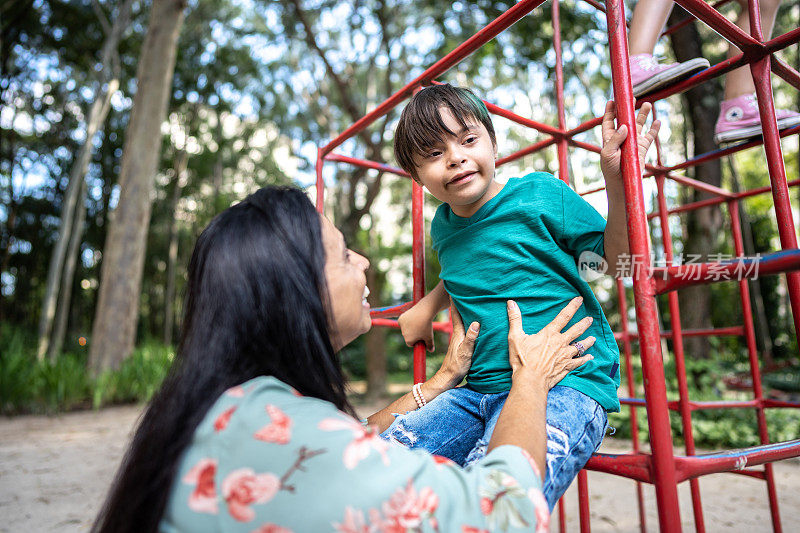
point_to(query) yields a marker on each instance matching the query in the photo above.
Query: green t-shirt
(523, 245)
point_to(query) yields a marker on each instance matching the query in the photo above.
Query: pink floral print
(203, 498)
(364, 440)
(279, 430)
(406, 510)
(243, 487)
(499, 498)
(470, 529)
(272, 528)
(222, 420)
(541, 509)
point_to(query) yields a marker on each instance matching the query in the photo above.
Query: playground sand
(54, 472)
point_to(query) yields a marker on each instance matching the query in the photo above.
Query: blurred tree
(62, 261)
(117, 313)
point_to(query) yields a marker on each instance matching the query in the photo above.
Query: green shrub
(31, 386)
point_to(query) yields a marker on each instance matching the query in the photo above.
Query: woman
(252, 430)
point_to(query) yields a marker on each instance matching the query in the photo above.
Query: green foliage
(714, 428)
(28, 386)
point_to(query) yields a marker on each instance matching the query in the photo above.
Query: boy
(519, 241)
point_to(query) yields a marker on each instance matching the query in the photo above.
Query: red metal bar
(365, 163)
(418, 255)
(704, 332)
(782, 41)
(722, 25)
(583, 501)
(675, 277)
(680, 363)
(562, 147)
(320, 184)
(464, 50)
(782, 69)
(444, 327)
(631, 466)
(631, 383)
(536, 147)
(646, 313)
(688, 20)
(586, 146)
(700, 185)
(717, 154)
(777, 173)
(719, 69)
(510, 115)
(392, 311)
(700, 465)
(715, 201)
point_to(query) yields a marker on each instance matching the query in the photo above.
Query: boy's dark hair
(421, 127)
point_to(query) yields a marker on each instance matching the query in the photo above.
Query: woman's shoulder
(262, 400)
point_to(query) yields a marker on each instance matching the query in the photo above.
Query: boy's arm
(416, 324)
(615, 241)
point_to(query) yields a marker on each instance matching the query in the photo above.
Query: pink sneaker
(647, 75)
(739, 119)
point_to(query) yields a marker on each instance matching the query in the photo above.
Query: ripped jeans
(459, 423)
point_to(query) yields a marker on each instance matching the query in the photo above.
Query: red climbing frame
(661, 467)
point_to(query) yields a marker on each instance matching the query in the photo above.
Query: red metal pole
(721, 25)
(320, 183)
(583, 502)
(777, 173)
(755, 371)
(563, 148)
(631, 382)
(418, 255)
(680, 363)
(663, 463)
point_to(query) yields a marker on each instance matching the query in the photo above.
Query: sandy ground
(54, 472)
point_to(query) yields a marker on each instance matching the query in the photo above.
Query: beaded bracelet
(416, 390)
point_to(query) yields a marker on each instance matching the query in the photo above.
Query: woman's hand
(459, 354)
(548, 354)
(455, 366)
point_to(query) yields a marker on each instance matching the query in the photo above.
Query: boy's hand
(416, 325)
(613, 138)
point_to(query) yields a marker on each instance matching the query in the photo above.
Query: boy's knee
(401, 432)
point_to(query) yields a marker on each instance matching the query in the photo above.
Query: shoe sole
(749, 132)
(679, 72)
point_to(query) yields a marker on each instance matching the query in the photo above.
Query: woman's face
(347, 285)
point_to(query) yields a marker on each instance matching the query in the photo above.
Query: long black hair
(255, 306)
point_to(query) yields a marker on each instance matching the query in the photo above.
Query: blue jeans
(459, 423)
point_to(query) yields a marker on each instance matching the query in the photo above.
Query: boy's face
(459, 170)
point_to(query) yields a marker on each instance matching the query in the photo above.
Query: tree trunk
(702, 225)
(375, 340)
(68, 278)
(114, 331)
(104, 90)
(181, 160)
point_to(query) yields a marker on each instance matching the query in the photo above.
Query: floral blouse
(268, 460)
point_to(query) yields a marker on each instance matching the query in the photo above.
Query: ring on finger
(579, 347)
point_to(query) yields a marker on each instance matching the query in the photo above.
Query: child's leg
(649, 17)
(647, 74)
(448, 425)
(576, 425)
(739, 81)
(739, 116)
(491, 406)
